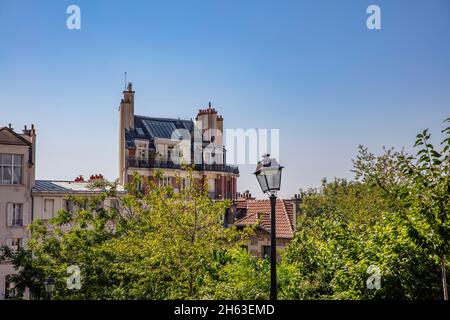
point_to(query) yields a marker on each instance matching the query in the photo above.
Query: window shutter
(26, 210)
(24, 243)
(9, 214)
(9, 242)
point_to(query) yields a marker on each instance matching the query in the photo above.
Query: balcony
(217, 167)
(139, 163)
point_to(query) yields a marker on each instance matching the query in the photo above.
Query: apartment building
(24, 199)
(17, 176)
(147, 144)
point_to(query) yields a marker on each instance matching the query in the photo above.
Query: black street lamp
(268, 173)
(49, 286)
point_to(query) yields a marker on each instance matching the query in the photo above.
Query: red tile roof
(259, 211)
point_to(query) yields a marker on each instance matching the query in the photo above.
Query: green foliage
(394, 216)
(164, 244)
(241, 276)
(27, 276)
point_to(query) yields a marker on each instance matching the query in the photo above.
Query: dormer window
(142, 151)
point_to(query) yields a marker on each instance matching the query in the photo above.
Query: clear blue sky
(310, 68)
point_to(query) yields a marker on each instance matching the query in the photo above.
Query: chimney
(79, 178)
(127, 107)
(126, 121)
(210, 123)
(246, 195)
(95, 177)
(296, 200)
(30, 135)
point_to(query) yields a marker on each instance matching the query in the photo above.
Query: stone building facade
(17, 176)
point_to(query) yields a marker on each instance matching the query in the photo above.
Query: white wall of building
(12, 195)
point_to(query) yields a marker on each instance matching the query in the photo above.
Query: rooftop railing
(142, 163)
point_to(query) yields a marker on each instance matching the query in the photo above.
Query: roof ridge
(162, 119)
(50, 180)
(286, 217)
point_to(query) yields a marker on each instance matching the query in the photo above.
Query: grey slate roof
(150, 128)
(56, 186)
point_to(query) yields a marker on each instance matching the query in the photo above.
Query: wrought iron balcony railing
(139, 163)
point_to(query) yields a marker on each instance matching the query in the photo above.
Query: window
(140, 185)
(169, 153)
(14, 243)
(99, 205)
(164, 182)
(185, 183)
(265, 251)
(68, 205)
(115, 204)
(141, 154)
(49, 207)
(15, 214)
(9, 287)
(142, 151)
(18, 214)
(211, 185)
(10, 168)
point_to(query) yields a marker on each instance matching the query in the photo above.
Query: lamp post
(49, 286)
(268, 174)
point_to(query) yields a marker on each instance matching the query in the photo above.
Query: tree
(426, 196)
(347, 227)
(394, 216)
(27, 276)
(176, 242)
(162, 244)
(418, 187)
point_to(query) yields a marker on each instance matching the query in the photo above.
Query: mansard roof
(151, 128)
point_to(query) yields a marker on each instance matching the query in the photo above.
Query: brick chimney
(246, 195)
(208, 119)
(96, 177)
(296, 200)
(126, 121)
(30, 135)
(79, 179)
